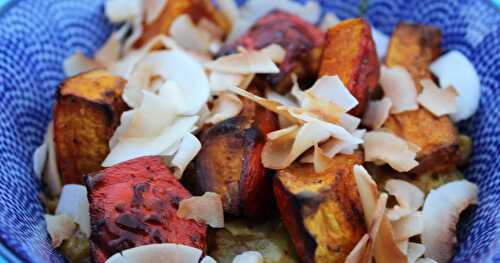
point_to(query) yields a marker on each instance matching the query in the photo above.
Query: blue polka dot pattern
(36, 36)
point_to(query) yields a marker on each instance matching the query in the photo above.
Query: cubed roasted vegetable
(197, 9)
(414, 47)
(350, 53)
(321, 211)
(135, 203)
(86, 114)
(229, 162)
(301, 40)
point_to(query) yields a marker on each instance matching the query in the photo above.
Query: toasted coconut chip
(249, 257)
(247, 62)
(51, 177)
(110, 51)
(78, 63)
(166, 252)
(381, 42)
(208, 259)
(400, 88)
(376, 221)
(331, 89)
(425, 260)
(286, 100)
(60, 228)
(409, 196)
(284, 134)
(174, 65)
(324, 110)
(226, 105)
(377, 113)
(152, 9)
(125, 66)
(279, 154)
(438, 101)
(206, 208)
(415, 250)
(358, 253)
(150, 129)
(122, 10)
(403, 246)
(275, 52)
(329, 20)
(213, 29)
(441, 212)
(320, 161)
(187, 150)
(188, 35)
(220, 81)
(296, 91)
(40, 154)
(390, 149)
(73, 202)
(385, 246)
(349, 122)
(334, 146)
(454, 69)
(408, 226)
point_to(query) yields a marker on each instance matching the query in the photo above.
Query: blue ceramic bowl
(36, 36)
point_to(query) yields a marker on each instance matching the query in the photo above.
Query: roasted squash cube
(86, 114)
(414, 47)
(350, 53)
(301, 40)
(322, 212)
(229, 162)
(135, 203)
(197, 9)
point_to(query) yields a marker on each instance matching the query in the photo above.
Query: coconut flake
(388, 148)
(187, 150)
(358, 253)
(425, 260)
(329, 20)
(410, 198)
(226, 105)
(441, 212)
(275, 52)
(153, 9)
(320, 161)
(400, 88)
(60, 228)
(381, 41)
(51, 177)
(284, 134)
(176, 66)
(349, 122)
(296, 90)
(279, 154)
(286, 100)
(73, 202)
(331, 89)
(246, 62)
(40, 154)
(377, 113)
(122, 10)
(206, 208)
(456, 70)
(438, 101)
(208, 259)
(188, 35)
(403, 246)
(414, 251)
(165, 252)
(78, 63)
(249, 257)
(220, 81)
(110, 51)
(408, 226)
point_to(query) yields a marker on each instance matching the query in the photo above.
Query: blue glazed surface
(36, 36)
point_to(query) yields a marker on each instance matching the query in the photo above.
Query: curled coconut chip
(208, 259)
(176, 66)
(377, 112)
(78, 63)
(152, 9)
(321, 162)
(73, 202)
(51, 176)
(249, 257)
(329, 20)
(246, 62)
(414, 251)
(438, 101)
(410, 198)
(400, 88)
(60, 228)
(110, 51)
(225, 106)
(221, 81)
(456, 70)
(123, 10)
(358, 253)
(332, 90)
(388, 148)
(189, 36)
(381, 41)
(165, 252)
(385, 247)
(407, 226)
(206, 208)
(441, 212)
(186, 151)
(40, 154)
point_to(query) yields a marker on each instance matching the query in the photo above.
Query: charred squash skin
(301, 40)
(229, 162)
(350, 53)
(135, 203)
(86, 114)
(321, 211)
(414, 47)
(196, 9)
